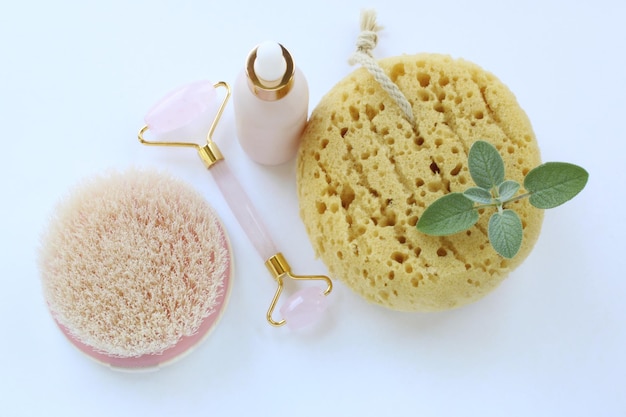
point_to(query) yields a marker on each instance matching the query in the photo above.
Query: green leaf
(485, 165)
(478, 195)
(450, 214)
(507, 190)
(505, 233)
(554, 183)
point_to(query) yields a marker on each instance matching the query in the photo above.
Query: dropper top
(269, 65)
(270, 71)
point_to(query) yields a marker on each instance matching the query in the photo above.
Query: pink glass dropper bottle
(271, 99)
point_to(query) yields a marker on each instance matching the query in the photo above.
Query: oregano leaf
(448, 215)
(554, 183)
(505, 233)
(485, 165)
(507, 190)
(478, 195)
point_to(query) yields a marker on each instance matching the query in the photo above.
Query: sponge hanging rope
(366, 42)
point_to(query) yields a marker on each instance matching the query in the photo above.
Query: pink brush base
(184, 345)
(304, 308)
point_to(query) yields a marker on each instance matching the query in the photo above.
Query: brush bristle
(132, 262)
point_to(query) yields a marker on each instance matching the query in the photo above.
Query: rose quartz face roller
(185, 110)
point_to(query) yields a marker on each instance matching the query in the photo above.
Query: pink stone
(183, 107)
(243, 209)
(304, 307)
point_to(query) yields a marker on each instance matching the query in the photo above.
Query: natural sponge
(134, 264)
(365, 175)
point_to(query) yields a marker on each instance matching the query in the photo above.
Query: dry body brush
(135, 264)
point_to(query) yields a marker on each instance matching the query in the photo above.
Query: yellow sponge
(365, 175)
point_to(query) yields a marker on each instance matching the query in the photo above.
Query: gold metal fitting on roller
(279, 268)
(209, 153)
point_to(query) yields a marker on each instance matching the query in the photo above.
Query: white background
(76, 78)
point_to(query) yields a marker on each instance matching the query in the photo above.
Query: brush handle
(244, 210)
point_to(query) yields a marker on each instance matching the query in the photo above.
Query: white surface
(75, 81)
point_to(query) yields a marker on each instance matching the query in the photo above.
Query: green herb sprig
(548, 185)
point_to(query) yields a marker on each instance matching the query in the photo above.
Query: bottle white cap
(269, 64)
